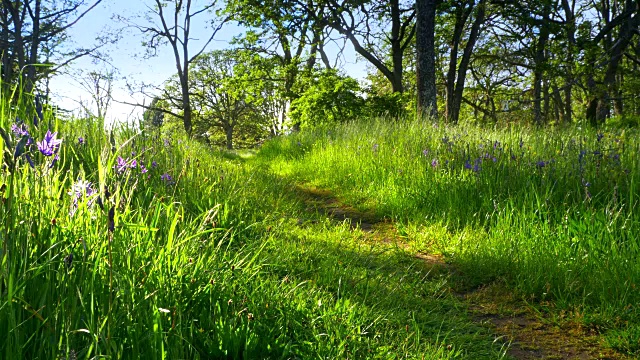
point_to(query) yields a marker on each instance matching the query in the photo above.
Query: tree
(328, 99)
(28, 28)
(99, 85)
(152, 118)
(457, 72)
(364, 24)
(287, 36)
(425, 57)
(222, 93)
(170, 23)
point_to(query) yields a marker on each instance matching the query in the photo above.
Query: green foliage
(553, 213)
(153, 117)
(329, 98)
(190, 253)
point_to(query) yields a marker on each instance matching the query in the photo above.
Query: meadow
(127, 244)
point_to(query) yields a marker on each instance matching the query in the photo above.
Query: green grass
(213, 263)
(551, 212)
(228, 259)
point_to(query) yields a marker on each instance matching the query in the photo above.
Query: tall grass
(552, 211)
(192, 253)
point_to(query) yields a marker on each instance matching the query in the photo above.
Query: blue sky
(127, 56)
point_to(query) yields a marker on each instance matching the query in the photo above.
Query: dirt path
(529, 333)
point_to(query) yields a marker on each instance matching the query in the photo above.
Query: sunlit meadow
(128, 244)
(552, 212)
(123, 244)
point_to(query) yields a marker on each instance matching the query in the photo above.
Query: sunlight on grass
(553, 212)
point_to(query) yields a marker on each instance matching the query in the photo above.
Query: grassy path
(515, 328)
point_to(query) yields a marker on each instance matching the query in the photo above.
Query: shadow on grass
(401, 299)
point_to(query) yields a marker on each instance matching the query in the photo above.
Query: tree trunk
(617, 50)
(461, 18)
(426, 57)
(30, 78)
(464, 63)
(540, 62)
(396, 47)
(571, 47)
(7, 61)
(229, 132)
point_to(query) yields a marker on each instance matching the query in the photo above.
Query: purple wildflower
(166, 177)
(476, 166)
(49, 145)
(467, 165)
(425, 152)
(541, 164)
(154, 164)
(599, 137)
(121, 165)
(434, 163)
(81, 141)
(375, 147)
(166, 142)
(133, 164)
(581, 155)
(143, 169)
(20, 130)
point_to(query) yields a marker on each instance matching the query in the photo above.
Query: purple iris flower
(166, 177)
(20, 130)
(143, 169)
(425, 152)
(467, 165)
(81, 141)
(121, 165)
(434, 163)
(154, 164)
(49, 145)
